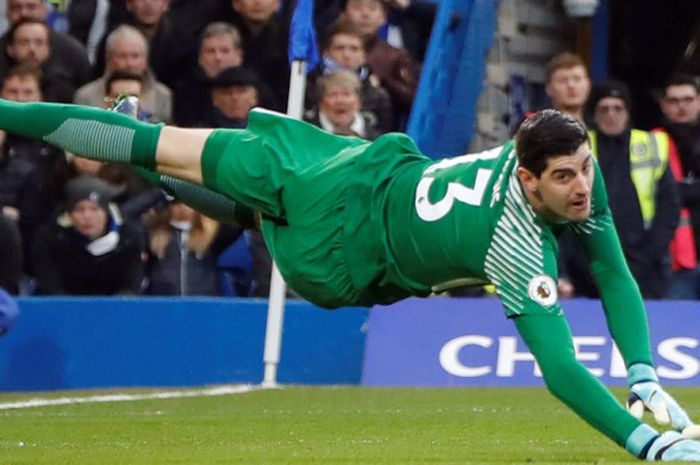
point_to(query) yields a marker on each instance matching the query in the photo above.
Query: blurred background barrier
(69, 343)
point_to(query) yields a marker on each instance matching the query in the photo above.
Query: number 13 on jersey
(456, 191)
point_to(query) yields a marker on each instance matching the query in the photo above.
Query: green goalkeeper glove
(647, 394)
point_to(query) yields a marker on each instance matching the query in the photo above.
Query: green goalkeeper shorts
(316, 193)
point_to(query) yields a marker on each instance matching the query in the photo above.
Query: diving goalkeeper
(351, 222)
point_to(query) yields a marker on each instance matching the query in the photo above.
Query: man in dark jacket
(680, 104)
(28, 168)
(642, 192)
(89, 249)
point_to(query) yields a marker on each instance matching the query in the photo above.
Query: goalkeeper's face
(563, 190)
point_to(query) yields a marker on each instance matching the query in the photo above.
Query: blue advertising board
(469, 342)
(99, 342)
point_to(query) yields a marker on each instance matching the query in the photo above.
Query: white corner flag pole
(278, 288)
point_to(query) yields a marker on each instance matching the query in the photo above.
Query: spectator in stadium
(219, 48)
(680, 104)
(125, 84)
(234, 92)
(10, 255)
(28, 43)
(67, 58)
(126, 49)
(31, 166)
(339, 108)
(265, 40)
(351, 222)
(89, 249)
(396, 69)
(183, 247)
(169, 51)
(642, 193)
(344, 48)
(568, 84)
(133, 195)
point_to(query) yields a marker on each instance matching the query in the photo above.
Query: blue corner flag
(302, 35)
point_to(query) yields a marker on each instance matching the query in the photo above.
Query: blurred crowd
(649, 175)
(79, 227)
(71, 226)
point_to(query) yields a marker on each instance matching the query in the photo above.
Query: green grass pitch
(312, 425)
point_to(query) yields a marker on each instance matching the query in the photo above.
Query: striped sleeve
(516, 261)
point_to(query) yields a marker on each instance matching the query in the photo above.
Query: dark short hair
(121, 76)
(24, 70)
(342, 26)
(13, 30)
(682, 79)
(547, 134)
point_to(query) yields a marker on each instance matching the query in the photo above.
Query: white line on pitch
(208, 392)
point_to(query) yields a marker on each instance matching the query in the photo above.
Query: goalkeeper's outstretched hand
(647, 394)
(672, 446)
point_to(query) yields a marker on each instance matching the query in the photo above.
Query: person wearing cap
(89, 249)
(234, 92)
(642, 192)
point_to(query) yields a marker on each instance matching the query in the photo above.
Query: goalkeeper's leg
(109, 136)
(236, 163)
(206, 201)
(550, 341)
(175, 153)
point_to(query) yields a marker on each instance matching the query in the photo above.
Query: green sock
(206, 201)
(86, 131)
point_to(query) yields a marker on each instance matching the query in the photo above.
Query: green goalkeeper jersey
(466, 219)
